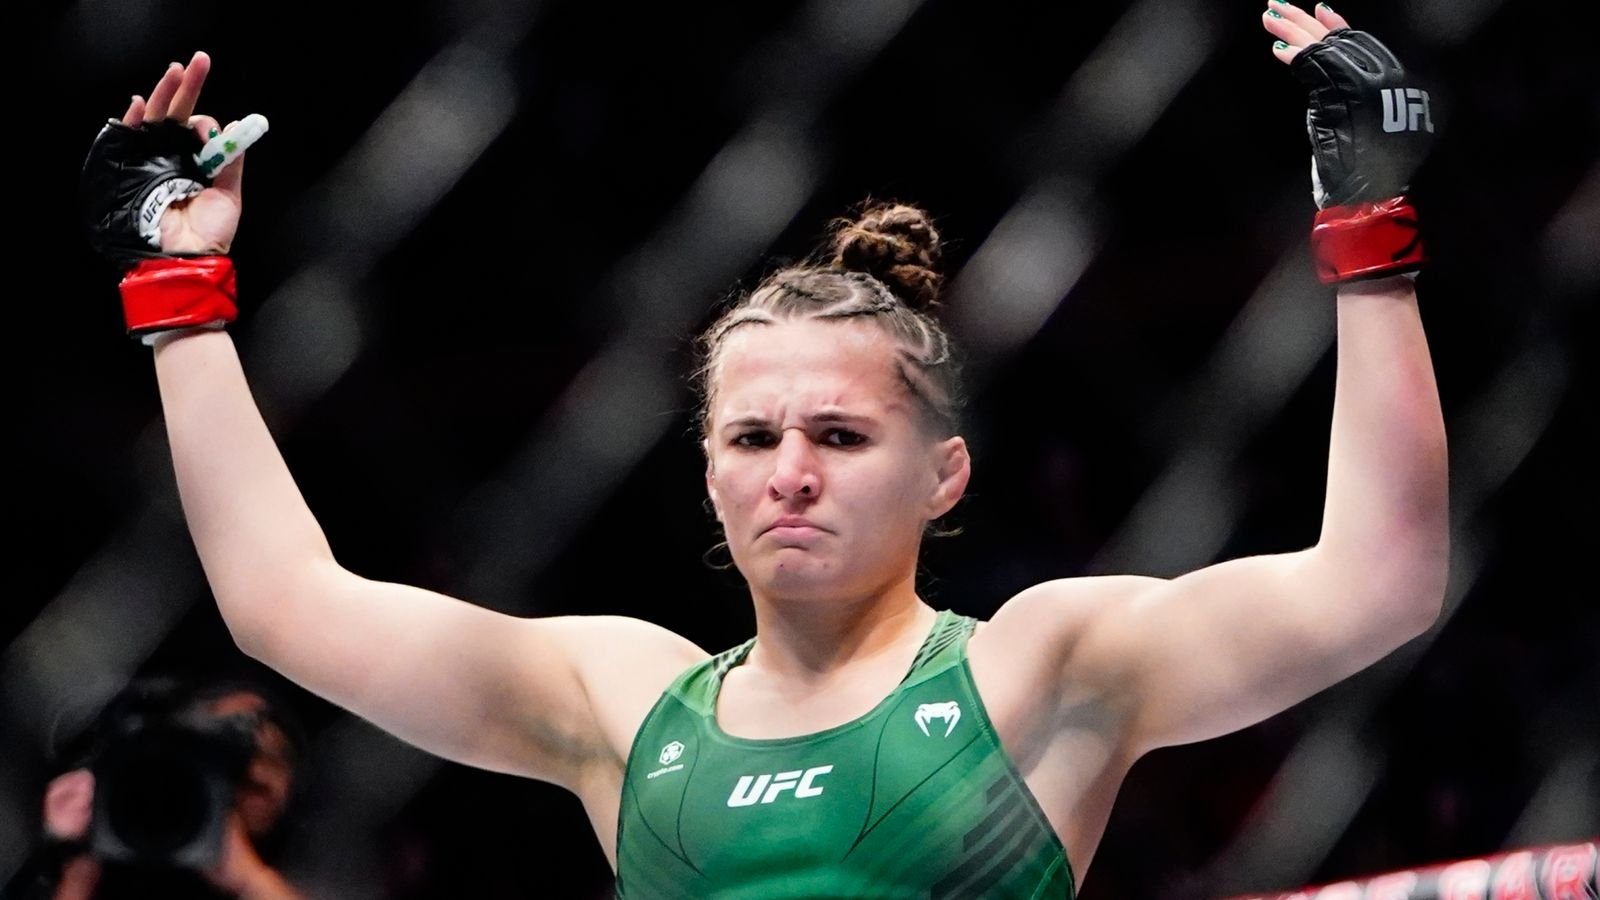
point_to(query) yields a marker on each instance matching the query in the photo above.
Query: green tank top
(914, 799)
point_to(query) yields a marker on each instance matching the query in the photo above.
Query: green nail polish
(1281, 2)
(1326, 7)
(1274, 13)
(1279, 45)
(213, 133)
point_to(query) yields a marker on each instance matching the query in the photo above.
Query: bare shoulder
(624, 665)
(1054, 616)
(1028, 658)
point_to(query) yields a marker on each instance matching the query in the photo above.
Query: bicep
(1229, 645)
(452, 678)
(1215, 650)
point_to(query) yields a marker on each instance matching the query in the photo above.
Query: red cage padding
(1566, 872)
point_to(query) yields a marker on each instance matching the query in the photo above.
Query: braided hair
(882, 265)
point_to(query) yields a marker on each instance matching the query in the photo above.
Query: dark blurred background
(481, 234)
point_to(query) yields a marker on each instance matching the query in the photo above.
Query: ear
(711, 482)
(954, 470)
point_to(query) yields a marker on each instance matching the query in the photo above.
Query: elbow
(262, 608)
(250, 642)
(250, 631)
(1402, 588)
(1417, 596)
(1431, 603)
(1430, 577)
(1426, 610)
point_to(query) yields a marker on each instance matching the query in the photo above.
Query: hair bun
(897, 244)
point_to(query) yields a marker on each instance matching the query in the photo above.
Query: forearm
(252, 529)
(1386, 520)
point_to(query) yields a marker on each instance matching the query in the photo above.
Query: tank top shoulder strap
(945, 646)
(697, 686)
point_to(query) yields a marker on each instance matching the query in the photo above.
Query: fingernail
(1274, 13)
(1281, 2)
(214, 130)
(1326, 7)
(1279, 45)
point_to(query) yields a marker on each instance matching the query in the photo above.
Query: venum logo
(753, 789)
(949, 711)
(1406, 109)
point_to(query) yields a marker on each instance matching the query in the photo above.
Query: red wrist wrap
(1367, 240)
(178, 292)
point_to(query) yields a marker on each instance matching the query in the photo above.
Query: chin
(800, 577)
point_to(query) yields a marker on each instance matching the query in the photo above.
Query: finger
(155, 109)
(206, 129)
(230, 178)
(135, 113)
(1299, 18)
(1281, 28)
(231, 144)
(1284, 52)
(194, 77)
(226, 162)
(205, 126)
(1329, 18)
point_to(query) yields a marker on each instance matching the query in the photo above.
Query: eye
(843, 437)
(753, 439)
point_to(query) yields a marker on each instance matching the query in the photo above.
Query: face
(818, 464)
(261, 798)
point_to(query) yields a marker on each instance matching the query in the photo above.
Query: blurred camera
(165, 782)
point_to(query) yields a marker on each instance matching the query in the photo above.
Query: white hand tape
(229, 145)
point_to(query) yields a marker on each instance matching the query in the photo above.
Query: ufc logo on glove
(1404, 108)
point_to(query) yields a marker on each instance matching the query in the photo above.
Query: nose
(795, 472)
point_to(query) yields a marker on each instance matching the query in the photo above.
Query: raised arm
(455, 679)
(1231, 644)
(505, 693)
(1223, 647)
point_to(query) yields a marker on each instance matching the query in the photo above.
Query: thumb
(229, 177)
(204, 126)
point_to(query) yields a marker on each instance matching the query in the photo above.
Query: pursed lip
(792, 522)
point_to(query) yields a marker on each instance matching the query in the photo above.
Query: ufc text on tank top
(914, 799)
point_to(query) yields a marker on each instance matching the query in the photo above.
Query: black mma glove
(1370, 128)
(130, 177)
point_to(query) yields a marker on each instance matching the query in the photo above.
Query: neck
(811, 640)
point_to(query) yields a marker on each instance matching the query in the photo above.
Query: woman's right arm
(457, 680)
(538, 697)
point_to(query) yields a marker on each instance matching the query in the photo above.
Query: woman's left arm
(1228, 645)
(1385, 522)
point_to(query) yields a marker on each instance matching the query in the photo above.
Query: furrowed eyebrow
(831, 417)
